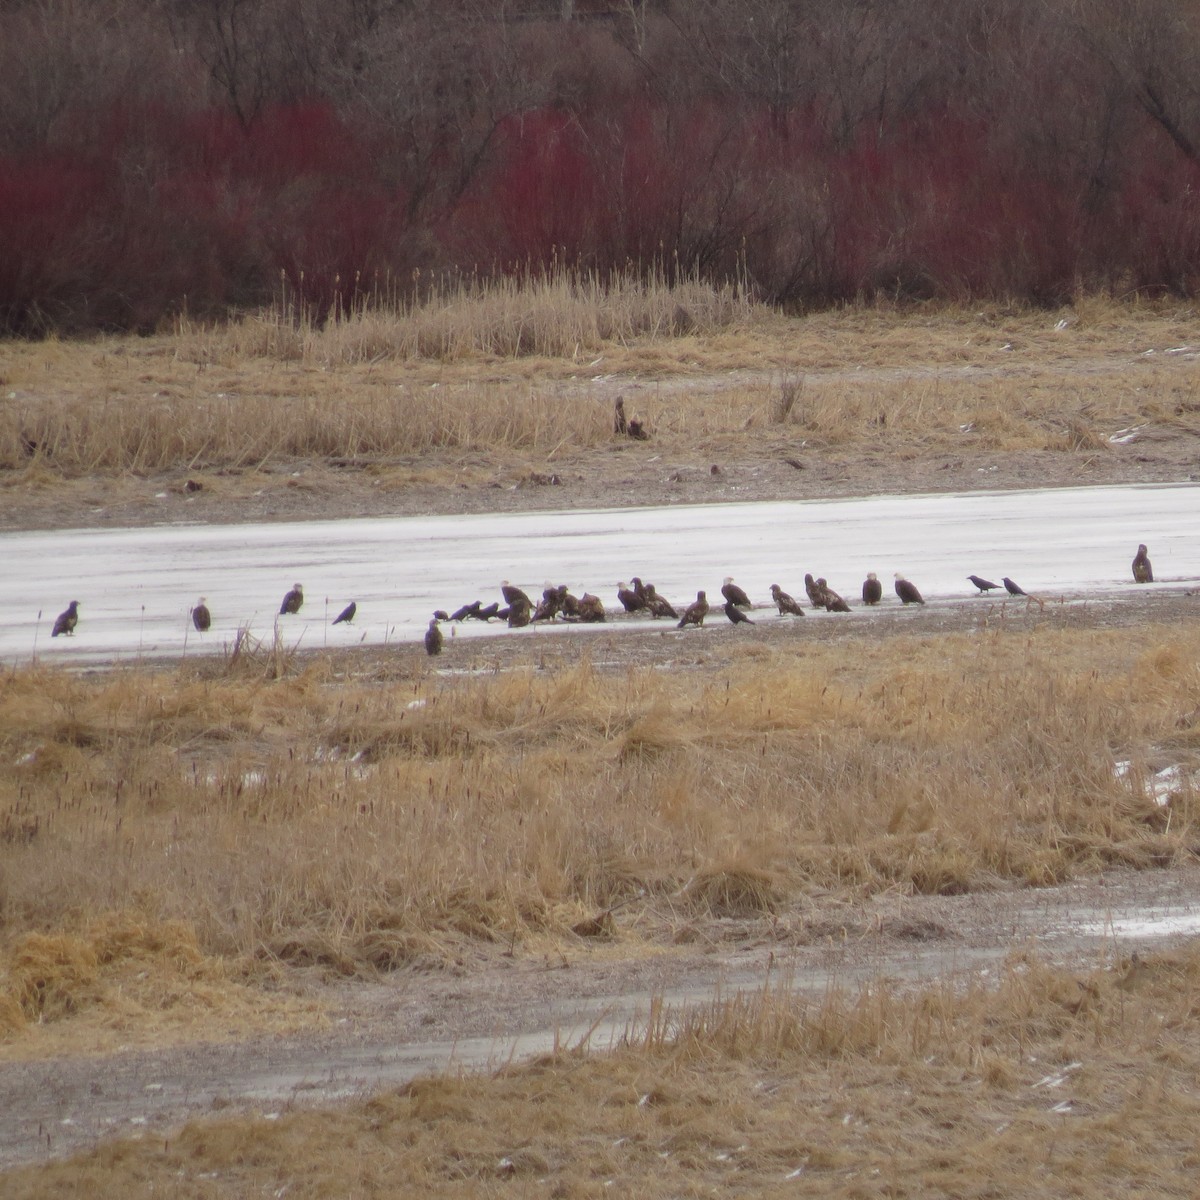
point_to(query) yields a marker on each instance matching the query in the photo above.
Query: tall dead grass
(560, 313)
(1045, 1083)
(700, 365)
(308, 820)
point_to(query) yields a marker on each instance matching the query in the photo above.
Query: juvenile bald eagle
(591, 609)
(568, 602)
(1013, 589)
(695, 612)
(814, 592)
(735, 614)
(907, 591)
(1142, 571)
(832, 601)
(520, 613)
(984, 585)
(629, 599)
(639, 589)
(433, 638)
(872, 589)
(292, 601)
(659, 606)
(347, 614)
(201, 617)
(784, 602)
(734, 594)
(550, 605)
(66, 621)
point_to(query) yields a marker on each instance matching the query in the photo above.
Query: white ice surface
(136, 586)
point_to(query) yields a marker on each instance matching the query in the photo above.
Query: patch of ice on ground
(137, 586)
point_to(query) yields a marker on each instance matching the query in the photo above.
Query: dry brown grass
(1045, 1084)
(366, 826)
(534, 370)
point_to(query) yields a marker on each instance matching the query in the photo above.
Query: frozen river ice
(136, 586)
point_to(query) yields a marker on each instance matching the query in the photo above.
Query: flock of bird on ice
(519, 610)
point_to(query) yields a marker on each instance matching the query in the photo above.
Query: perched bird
(814, 592)
(201, 617)
(66, 621)
(907, 591)
(784, 602)
(1142, 571)
(695, 612)
(984, 585)
(832, 601)
(568, 603)
(629, 599)
(735, 614)
(872, 590)
(591, 609)
(734, 594)
(467, 610)
(433, 638)
(659, 606)
(347, 614)
(292, 601)
(1013, 589)
(550, 605)
(520, 613)
(512, 594)
(639, 589)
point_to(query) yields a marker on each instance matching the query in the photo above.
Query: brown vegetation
(1047, 1082)
(369, 825)
(444, 384)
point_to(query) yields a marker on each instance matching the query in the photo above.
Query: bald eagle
(872, 589)
(734, 594)
(1142, 571)
(520, 613)
(292, 601)
(629, 598)
(907, 591)
(591, 609)
(550, 605)
(659, 606)
(784, 602)
(201, 617)
(513, 594)
(814, 592)
(695, 612)
(66, 621)
(347, 614)
(832, 601)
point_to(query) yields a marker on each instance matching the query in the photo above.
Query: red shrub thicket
(811, 186)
